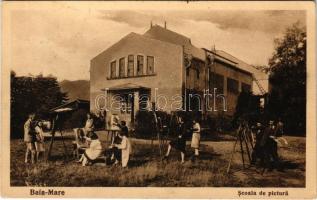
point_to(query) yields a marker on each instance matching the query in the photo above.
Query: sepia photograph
(158, 95)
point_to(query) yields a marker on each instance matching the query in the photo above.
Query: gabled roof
(69, 106)
(159, 33)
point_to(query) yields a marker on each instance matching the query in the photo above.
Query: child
(125, 148)
(39, 143)
(29, 138)
(94, 150)
(180, 142)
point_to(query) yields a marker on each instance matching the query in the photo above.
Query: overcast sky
(62, 41)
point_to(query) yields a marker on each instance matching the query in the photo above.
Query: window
(232, 86)
(122, 67)
(197, 73)
(130, 65)
(113, 69)
(150, 65)
(216, 81)
(246, 87)
(140, 61)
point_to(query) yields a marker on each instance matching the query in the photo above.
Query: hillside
(75, 89)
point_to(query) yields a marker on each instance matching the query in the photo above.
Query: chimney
(151, 24)
(165, 24)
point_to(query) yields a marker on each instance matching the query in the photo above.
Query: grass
(146, 169)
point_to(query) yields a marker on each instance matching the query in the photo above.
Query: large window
(113, 69)
(130, 65)
(232, 86)
(246, 87)
(150, 65)
(197, 73)
(140, 62)
(216, 81)
(122, 67)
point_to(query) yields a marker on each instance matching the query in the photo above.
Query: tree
(247, 108)
(287, 98)
(32, 95)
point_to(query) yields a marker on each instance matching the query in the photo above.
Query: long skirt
(195, 140)
(179, 144)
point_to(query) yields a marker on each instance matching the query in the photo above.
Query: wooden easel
(244, 140)
(53, 139)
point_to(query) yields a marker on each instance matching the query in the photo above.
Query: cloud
(273, 21)
(62, 41)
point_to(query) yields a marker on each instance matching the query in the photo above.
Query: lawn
(146, 169)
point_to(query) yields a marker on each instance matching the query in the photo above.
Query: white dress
(39, 144)
(125, 147)
(196, 136)
(94, 150)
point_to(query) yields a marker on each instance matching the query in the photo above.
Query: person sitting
(80, 143)
(93, 151)
(180, 142)
(125, 147)
(39, 143)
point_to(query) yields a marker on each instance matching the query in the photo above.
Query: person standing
(39, 143)
(269, 145)
(257, 150)
(89, 125)
(180, 142)
(195, 138)
(29, 138)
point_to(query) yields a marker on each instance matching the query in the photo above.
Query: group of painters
(119, 151)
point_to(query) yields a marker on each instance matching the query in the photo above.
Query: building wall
(168, 63)
(228, 72)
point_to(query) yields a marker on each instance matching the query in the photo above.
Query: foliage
(145, 123)
(76, 119)
(287, 99)
(247, 108)
(32, 95)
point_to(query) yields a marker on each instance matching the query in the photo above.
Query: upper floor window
(113, 69)
(232, 86)
(140, 62)
(130, 65)
(216, 81)
(150, 65)
(122, 67)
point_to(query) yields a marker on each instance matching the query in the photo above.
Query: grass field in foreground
(146, 169)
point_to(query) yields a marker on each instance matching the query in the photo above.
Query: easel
(53, 139)
(157, 130)
(243, 137)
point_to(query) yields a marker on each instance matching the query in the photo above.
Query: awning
(126, 86)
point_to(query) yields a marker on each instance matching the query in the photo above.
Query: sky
(61, 42)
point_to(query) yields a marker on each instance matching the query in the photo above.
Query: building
(163, 67)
